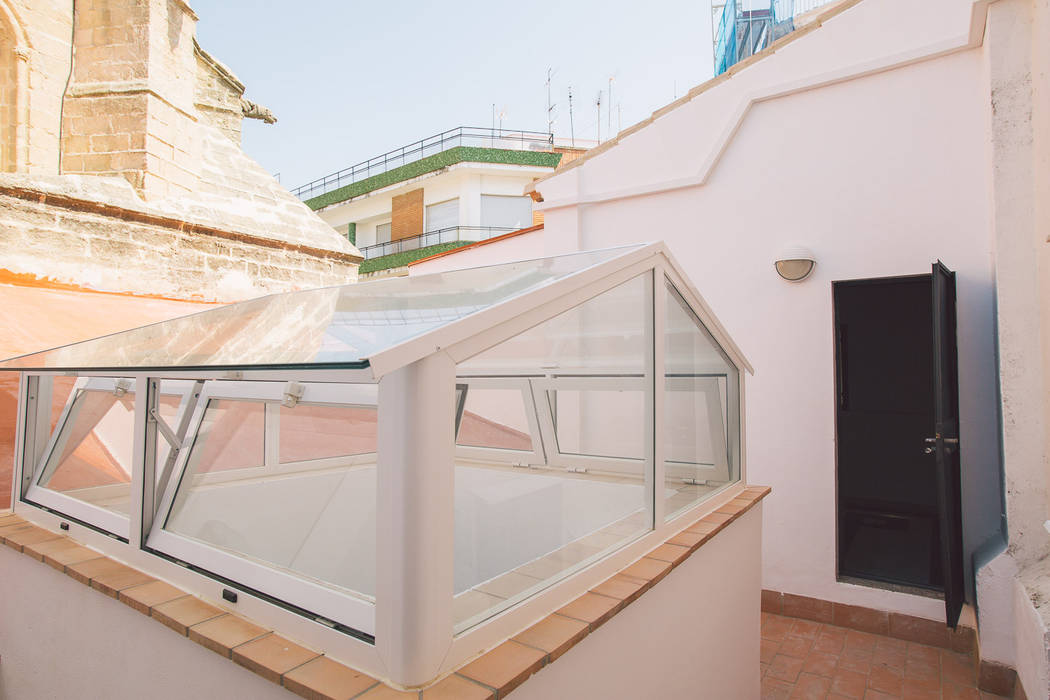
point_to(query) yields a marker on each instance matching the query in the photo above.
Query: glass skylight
(335, 325)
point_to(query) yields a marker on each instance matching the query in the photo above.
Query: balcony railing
(442, 235)
(461, 136)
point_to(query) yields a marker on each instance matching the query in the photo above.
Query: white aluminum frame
(414, 640)
(73, 507)
(517, 457)
(352, 608)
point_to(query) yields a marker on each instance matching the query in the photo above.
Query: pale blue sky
(350, 80)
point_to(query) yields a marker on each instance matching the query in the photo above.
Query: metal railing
(480, 137)
(441, 235)
(741, 33)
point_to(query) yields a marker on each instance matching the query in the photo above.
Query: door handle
(931, 443)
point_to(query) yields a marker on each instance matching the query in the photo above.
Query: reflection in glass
(495, 418)
(333, 325)
(306, 504)
(582, 493)
(700, 397)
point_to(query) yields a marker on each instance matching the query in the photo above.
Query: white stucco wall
(879, 175)
(520, 247)
(694, 636)
(61, 639)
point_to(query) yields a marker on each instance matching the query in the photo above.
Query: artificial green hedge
(459, 154)
(387, 262)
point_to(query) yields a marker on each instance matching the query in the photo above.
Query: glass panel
(318, 432)
(599, 423)
(506, 211)
(443, 215)
(495, 418)
(92, 454)
(307, 509)
(520, 530)
(343, 325)
(701, 384)
(383, 233)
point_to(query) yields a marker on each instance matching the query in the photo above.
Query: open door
(944, 445)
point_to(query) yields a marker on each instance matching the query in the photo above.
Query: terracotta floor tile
(920, 690)
(820, 664)
(505, 667)
(921, 671)
(921, 652)
(799, 647)
(767, 650)
(555, 635)
(886, 679)
(775, 627)
(951, 691)
(878, 695)
(272, 656)
(895, 658)
(773, 689)
(785, 668)
(857, 660)
(957, 669)
(810, 687)
(860, 640)
(806, 628)
(830, 641)
(324, 679)
(849, 684)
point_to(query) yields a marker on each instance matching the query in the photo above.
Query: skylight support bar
(415, 518)
(143, 477)
(656, 477)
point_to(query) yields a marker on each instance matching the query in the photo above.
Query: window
(701, 402)
(280, 476)
(554, 455)
(500, 211)
(443, 215)
(87, 466)
(383, 233)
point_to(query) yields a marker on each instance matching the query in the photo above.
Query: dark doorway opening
(887, 486)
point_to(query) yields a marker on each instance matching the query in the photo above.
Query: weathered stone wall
(218, 96)
(8, 97)
(41, 34)
(96, 245)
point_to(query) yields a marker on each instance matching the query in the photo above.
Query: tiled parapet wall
(89, 244)
(310, 674)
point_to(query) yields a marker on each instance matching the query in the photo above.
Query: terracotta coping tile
(692, 540)
(458, 688)
(272, 656)
(38, 549)
(324, 679)
(17, 536)
(622, 588)
(717, 518)
(221, 634)
(700, 527)
(647, 569)
(385, 692)
(8, 519)
(505, 667)
(555, 634)
(144, 597)
(182, 613)
(593, 609)
(112, 582)
(61, 558)
(87, 570)
(673, 553)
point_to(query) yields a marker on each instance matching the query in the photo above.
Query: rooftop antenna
(610, 106)
(572, 129)
(599, 105)
(550, 105)
(619, 117)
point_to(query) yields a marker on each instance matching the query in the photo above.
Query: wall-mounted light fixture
(795, 263)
